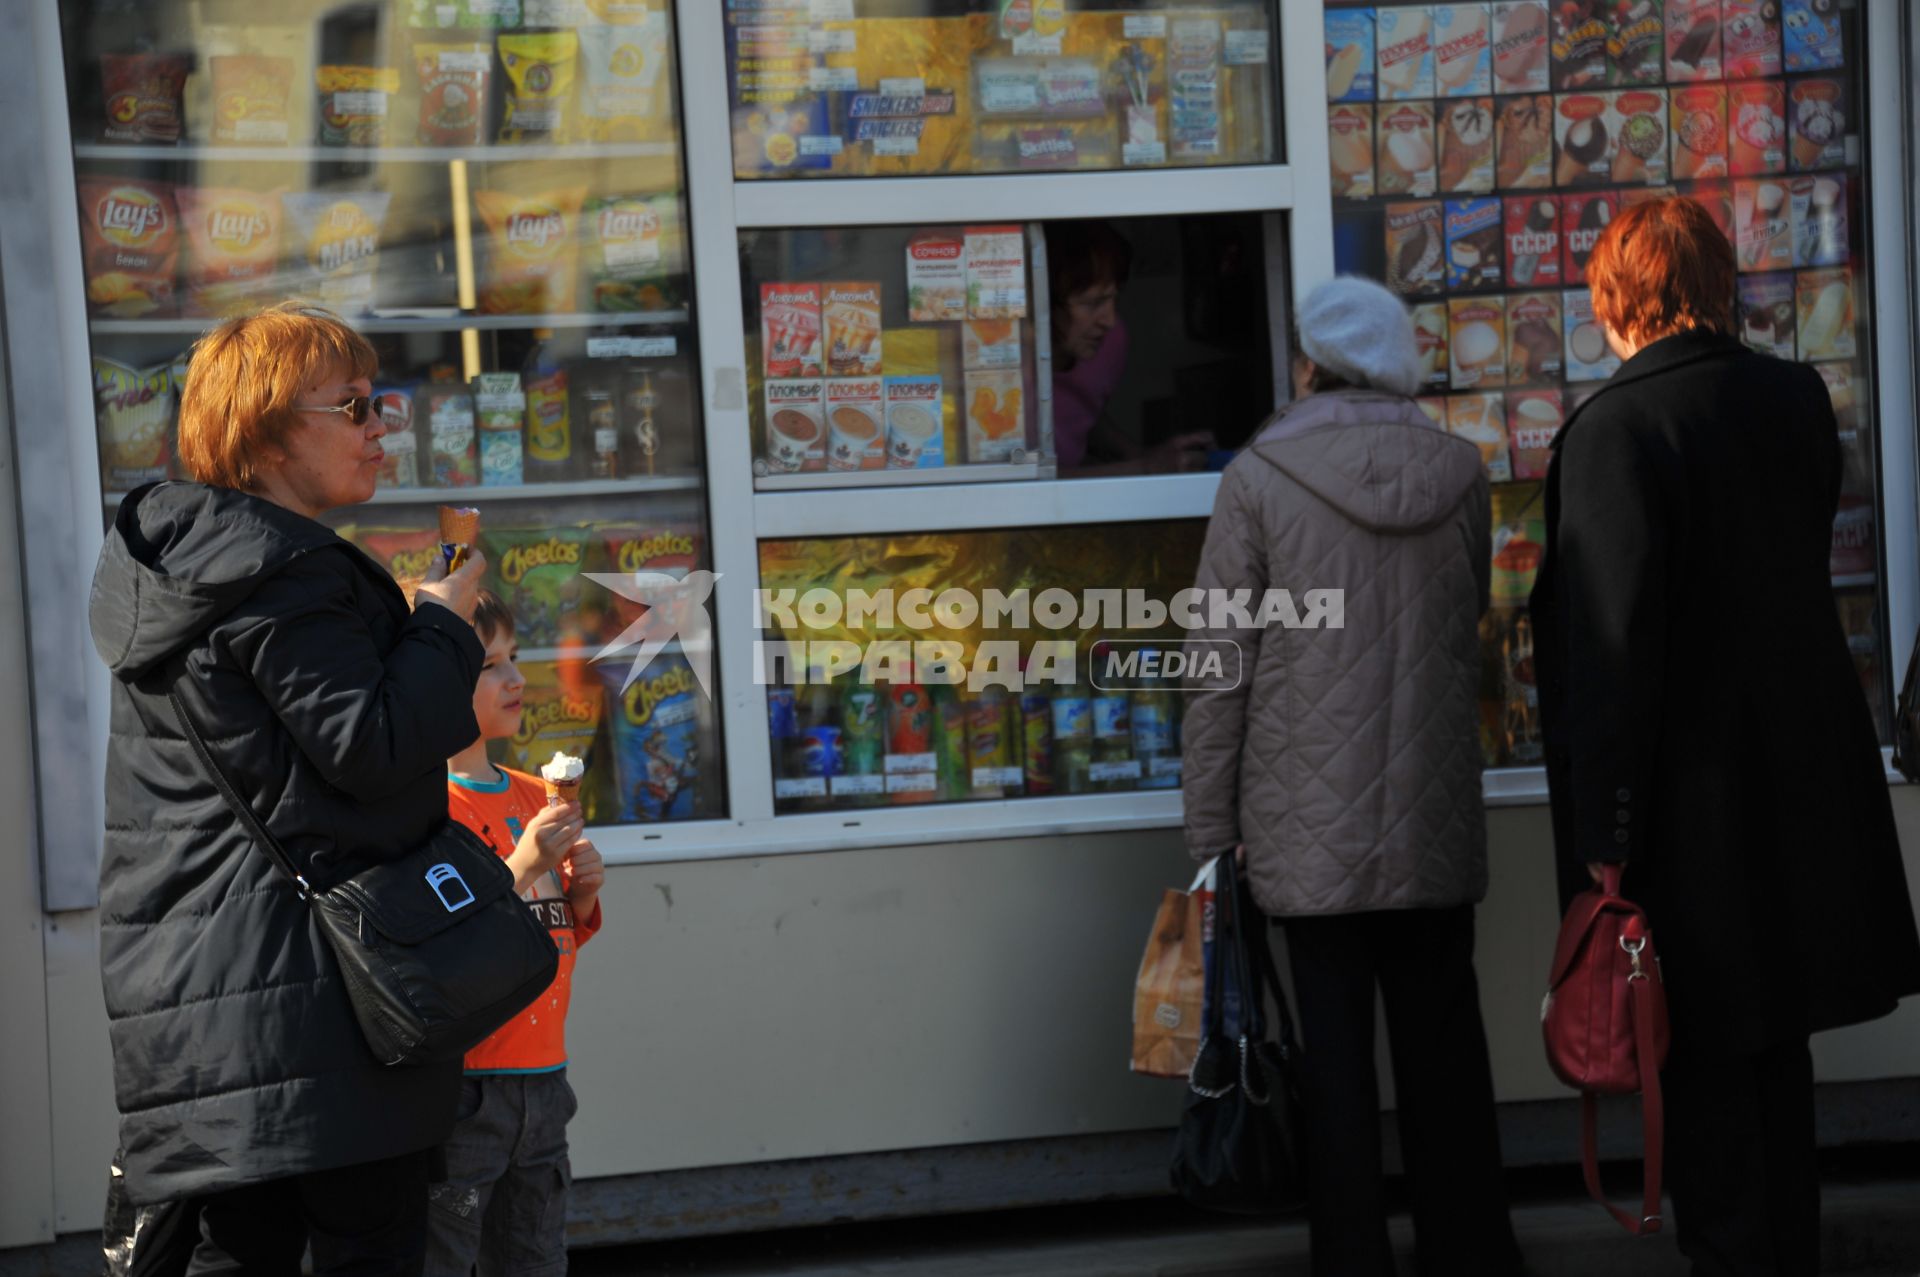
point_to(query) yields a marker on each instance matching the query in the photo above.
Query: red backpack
(1605, 1022)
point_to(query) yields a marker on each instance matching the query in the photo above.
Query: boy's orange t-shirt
(535, 1041)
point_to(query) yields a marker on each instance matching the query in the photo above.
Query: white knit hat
(1361, 333)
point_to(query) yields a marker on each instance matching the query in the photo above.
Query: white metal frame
(59, 462)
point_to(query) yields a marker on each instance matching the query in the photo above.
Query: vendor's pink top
(1080, 394)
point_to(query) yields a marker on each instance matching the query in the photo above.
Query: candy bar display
(1507, 136)
(881, 88)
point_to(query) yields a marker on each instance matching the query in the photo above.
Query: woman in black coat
(1704, 725)
(243, 1081)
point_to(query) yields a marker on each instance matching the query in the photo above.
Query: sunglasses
(358, 410)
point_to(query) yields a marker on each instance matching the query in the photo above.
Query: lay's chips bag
(533, 251)
(636, 252)
(233, 248)
(131, 233)
(339, 238)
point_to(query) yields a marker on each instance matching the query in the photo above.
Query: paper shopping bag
(1170, 991)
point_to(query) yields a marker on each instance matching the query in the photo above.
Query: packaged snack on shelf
(669, 548)
(1750, 38)
(1523, 131)
(406, 553)
(475, 14)
(1636, 42)
(1480, 418)
(560, 711)
(1430, 342)
(135, 411)
(1583, 216)
(990, 343)
(1350, 64)
(250, 99)
(1819, 220)
(538, 575)
(1533, 240)
(552, 447)
(635, 252)
(1046, 88)
(1350, 149)
(144, 96)
(1638, 121)
(915, 429)
(1408, 162)
(936, 278)
(779, 121)
(130, 230)
(340, 237)
(233, 248)
(400, 467)
(1519, 542)
(856, 413)
(1693, 40)
(1466, 145)
(996, 272)
(353, 104)
(1522, 57)
(448, 410)
(1812, 36)
(996, 416)
(1582, 128)
(534, 251)
(790, 330)
(540, 73)
(1824, 303)
(1534, 343)
(1699, 132)
(850, 314)
(656, 738)
(1478, 346)
(1758, 139)
(1533, 419)
(1405, 42)
(1473, 244)
(1763, 225)
(1766, 313)
(1462, 50)
(1579, 45)
(1416, 248)
(1818, 122)
(454, 83)
(624, 98)
(1589, 358)
(796, 425)
(500, 405)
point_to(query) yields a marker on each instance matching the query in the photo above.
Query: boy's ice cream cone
(459, 528)
(562, 774)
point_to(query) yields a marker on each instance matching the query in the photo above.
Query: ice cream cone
(560, 792)
(459, 528)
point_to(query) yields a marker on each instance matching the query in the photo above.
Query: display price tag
(1246, 48)
(839, 40)
(986, 776)
(1145, 26)
(632, 347)
(896, 146)
(1030, 45)
(912, 782)
(360, 102)
(801, 787)
(911, 763)
(1128, 769)
(830, 10)
(833, 79)
(903, 86)
(821, 144)
(1163, 767)
(872, 783)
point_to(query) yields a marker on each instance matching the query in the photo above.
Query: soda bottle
(1036, 740)
(1156, 745)
(1072, 740)
(549, 413)
(950, 756)
(643, 431)
(817, 755)
(912, 769)
(783, 730)
(992, 744)
(1114, 766)
(862, 783)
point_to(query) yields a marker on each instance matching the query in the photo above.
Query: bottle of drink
(911, 765)
(783, 732)
(1520, 696)
(992, 744)
(550, 452)
(951, 728)
(1114, 766)
(820, 755)
(862, 742)
(1036, 739)
(641, 427)
(603, 424)
(1072, 740)
(1156, 744)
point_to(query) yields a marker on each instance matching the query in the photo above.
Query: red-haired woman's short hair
(1662, 267)
(244, 378)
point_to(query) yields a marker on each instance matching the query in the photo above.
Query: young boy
(504, 1204)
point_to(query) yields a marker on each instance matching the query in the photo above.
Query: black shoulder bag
(1241, 1147)
(1906, 720)
(435, 947)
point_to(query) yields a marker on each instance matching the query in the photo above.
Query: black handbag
(1241, 1147)
(435, 947)
(1906, 720)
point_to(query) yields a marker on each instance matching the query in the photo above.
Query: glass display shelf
(502, 153)
(814, 481)
(412, 323)
(638, 486)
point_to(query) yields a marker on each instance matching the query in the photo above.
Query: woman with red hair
(1705, 727)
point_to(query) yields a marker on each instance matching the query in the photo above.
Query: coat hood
(178, 558)
(1376, 458)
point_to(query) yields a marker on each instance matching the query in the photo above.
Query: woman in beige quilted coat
(1345, 766)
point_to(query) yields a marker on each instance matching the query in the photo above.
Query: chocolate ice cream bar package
(1579, 44)
(1466, 146)
(1534, 345)
(1766, 313)
(1582, 125)
(1819, 220)
(1583, 216)
(1523, 129)
(1474, 257)
(1636, 42)
(1416, 248)
(1350, 65)
(1693, 41)
(1533, 240)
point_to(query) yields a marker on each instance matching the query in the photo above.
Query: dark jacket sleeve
(1214, 732)
(1614, 531)
(371, 722)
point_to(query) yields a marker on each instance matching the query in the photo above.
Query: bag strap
(1652, 1115)
(268, 843)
